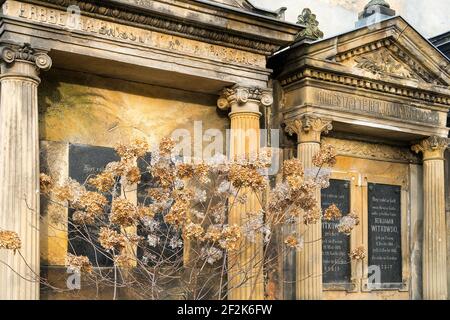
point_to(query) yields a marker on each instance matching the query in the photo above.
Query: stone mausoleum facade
(83, 74)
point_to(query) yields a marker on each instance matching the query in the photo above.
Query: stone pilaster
(245, 269)
(19, 168)
(309, 260)
(434, 228)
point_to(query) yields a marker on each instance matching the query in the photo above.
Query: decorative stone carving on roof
(384, 57)
(312, 31)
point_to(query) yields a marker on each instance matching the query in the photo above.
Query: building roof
(442, 42)
(247, 5)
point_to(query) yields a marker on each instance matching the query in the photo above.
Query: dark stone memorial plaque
(335, 245)
(84, 162)
(384, 223)
(164, 249)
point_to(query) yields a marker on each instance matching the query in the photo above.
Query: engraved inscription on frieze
(378, 108)
(139, 36)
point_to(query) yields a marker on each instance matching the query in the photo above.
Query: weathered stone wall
(87, 109)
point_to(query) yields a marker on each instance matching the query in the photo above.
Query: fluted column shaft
(434, 263)
(309, 260)
(19, 170)
(245, 267)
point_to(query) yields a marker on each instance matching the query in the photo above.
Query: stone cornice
(365, 83)
(167, 22)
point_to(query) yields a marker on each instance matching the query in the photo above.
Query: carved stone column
(19, 168)
(434, 228)
(309, 260)
(245, 269)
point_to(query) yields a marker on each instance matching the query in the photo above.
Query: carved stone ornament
(241, 95)
(308, 128)
(383, 63)
(432, 148)
(12, 53)
(375, 151)
(309, 20)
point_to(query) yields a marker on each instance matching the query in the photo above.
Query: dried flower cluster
(294, 242)
(134, 150)
(332, 213)
(78, 264)
(124, 213)
(348, 223)
(10, 240)
(111, 239)
(358, 254)
(245, 177)
(46, 183)
(189, 200)
(325, 157)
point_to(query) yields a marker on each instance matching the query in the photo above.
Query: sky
(429, 17)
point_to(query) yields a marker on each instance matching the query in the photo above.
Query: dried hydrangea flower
(111, 239)
(152, 240)
(325, 157)
(10, 240)
(348, 223)
(185, 170)
(145, 212)
(213, 233)
(242, 177)
(294, 242)
(293, 168)
(178, 213)
(46, 183)
(312, 216)
(123, 213)
(158, 194)
(175, 242)
(332, 213)
(78, 264)
(200, 195)
(358, 253)
(138, 148)
(231, 238)
(81, 217)
(211, 254)
(192, 230)
(103, 182)
(70, 191)
(133, 175)
(201, 172)
(163, 175)
(92, 202)
(166, 146)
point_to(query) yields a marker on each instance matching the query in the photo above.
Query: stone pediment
(391, 52)
(386, 59)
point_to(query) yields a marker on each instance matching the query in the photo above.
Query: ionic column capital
(308, 128)
(432, 148)
(33, 60)
(245, 99)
